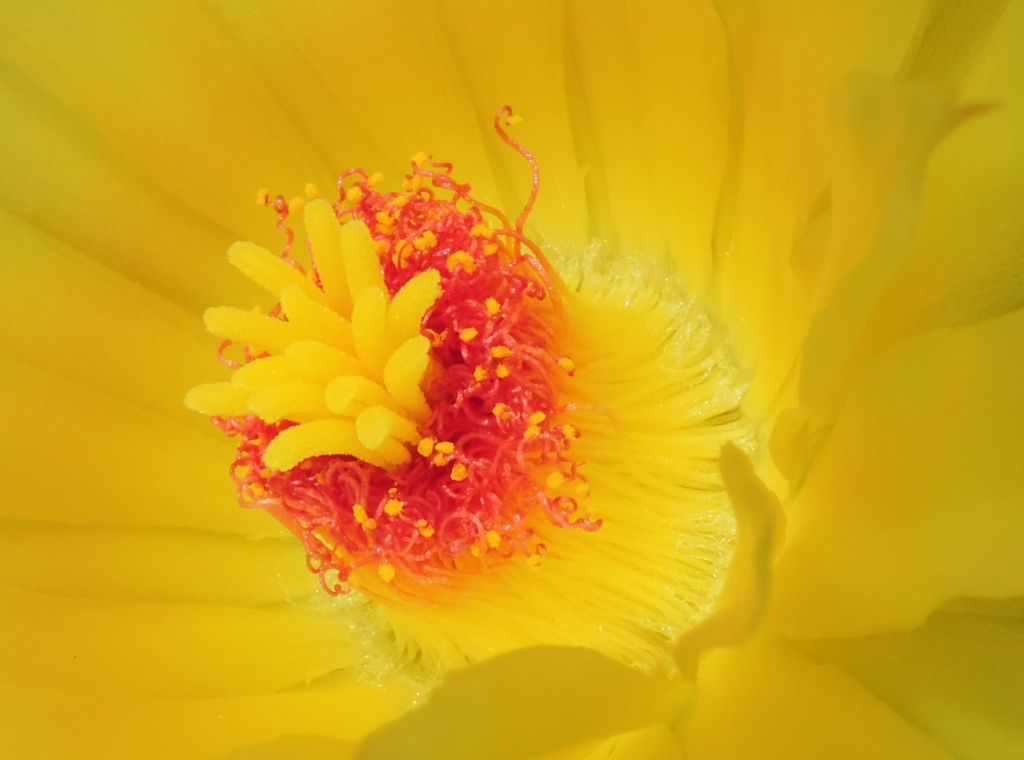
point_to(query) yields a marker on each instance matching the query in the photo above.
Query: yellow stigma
(347, 364)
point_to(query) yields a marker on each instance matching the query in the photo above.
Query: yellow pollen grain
(567, 364)
(425, 447)
(419, 158)
(501, 352)
(386, 572)
(493, 306)
(482, 230)
(359, 512)
(439, 460)
(536, 418)
(501, 411)
(480, 374)
(555, 479)
(425, 530)
(513, 120)
(425, 241)
(393, 507)
(401, 201)
(493, 539)
(467, 334)
(445, 447)
(531, 432)
(310, 191)
(375, 179)
(463, 259)
(459, 472)
(354, 194)
(490, 249)
(502, 371)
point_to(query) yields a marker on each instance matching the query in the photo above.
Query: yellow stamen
(459, 472)
(467, 334)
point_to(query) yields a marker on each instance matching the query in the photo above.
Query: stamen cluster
(493, 456)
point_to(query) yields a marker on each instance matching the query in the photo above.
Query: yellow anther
(296, 204)
(463, 259)
(439, 460)
(386, 572)
(419, 158)
(531, 432)
(263, 197)
(383, 217)
(425, 241)
(425, 447)
(412, 185)
(555, 479)
(513, 120)
(567, 364)
(536, 418)
(310, 190)
(400, 201)
(490, 249)
(480, 374)
(493, 306)
(482, 230)
(375, 179)
(445, 447)
(425, 530)
(354, 194)
(493, 539)
(359, 512)
(459, 472)
(502, 371)
(393, 507)
(467, 334)
(501, 352)
(570, 432)
(501, 411)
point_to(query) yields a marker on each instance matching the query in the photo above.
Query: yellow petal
(153, 565)
(766, 701)
(786, 60)
(915, 496)
(759, 527)
(98, 726)
(964, 264)
(526, 702)
(168, 649)
(115, 464)
(959, 677)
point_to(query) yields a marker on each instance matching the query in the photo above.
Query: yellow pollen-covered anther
(393, 507)
(502, 371)
(425, 447)
(467, 334)
(493, 539)
(493, 306)
(459, 472)
(501, 352)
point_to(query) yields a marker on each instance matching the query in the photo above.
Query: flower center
(503, 445)
(399, 407)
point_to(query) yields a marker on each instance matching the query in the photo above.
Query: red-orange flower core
(490, 455)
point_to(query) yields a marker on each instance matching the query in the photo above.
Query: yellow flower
(839, 188)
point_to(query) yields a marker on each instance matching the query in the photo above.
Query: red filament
(496, 459)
